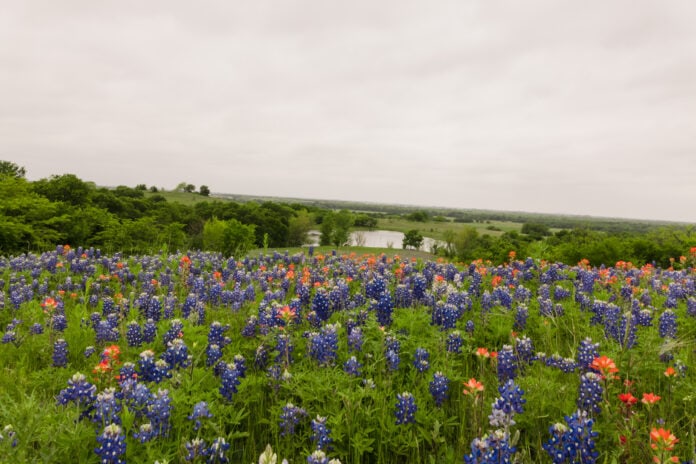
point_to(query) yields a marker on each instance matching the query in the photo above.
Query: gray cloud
(550, 106)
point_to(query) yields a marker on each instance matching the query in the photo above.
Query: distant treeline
(36, 216)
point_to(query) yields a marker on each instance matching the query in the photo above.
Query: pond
(376, 239)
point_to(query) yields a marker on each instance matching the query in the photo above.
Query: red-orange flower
(662, 439)
(112, 351)
(473, 386)
(670, 372)
(628, 399)
(483, 353)
(650, 398)
(604, 365)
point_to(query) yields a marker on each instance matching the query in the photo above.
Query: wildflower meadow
(328, 357)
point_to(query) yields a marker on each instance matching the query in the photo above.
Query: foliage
(10, 169)
(439, 379)
(230, 237)
(412, 239)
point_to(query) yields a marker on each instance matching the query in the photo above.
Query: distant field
(358, 251)
(436, 229)
(183, 197)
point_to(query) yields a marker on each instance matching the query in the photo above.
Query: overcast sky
(542, 106)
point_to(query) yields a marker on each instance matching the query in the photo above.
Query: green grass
(436, 229)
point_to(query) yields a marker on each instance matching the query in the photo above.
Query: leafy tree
(298, 228)
(363, 220)
(412, 239)
(10, 169)
(535, 230)
(153, 189)
(418, 216)
(66, 188)
(466, 243)
(230, 237)
(189, 188)
(343, 221)
(142, 187)
(328, 224)
(204, 190)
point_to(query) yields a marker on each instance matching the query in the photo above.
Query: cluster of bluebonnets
(205, 358)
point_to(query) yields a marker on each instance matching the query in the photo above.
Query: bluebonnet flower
(320, 304)
(174, 332)
(217, 452)
(249, 329)
(494, 448)
(145, 433)
(159, 412)
(317, 457)
(352, 367)
(200, 411)
(392, 347)
(176, 354)
(454, 342)
(216, 334)
(60, 353)
(107, 408)
(134, 334)
(213, 354)
(36, 329)
(196, 448)
(524, 347)
(127, 372)
(150, 370)
(507, 366)
(384, 309)
(112, 445)
(574, 443)
(103, 333)
(355, 339)
(509, 403)
(149, 331)
(521, 315)
(289, 419)
(587, 352)
(469, 327)
(566, 365)
(590, 393)
(9, 337)
(405, 408)
(230, 379)
(560, 293)
(284, 347)
(58, 322)
(668, 324)
(80, 392)
(320, 434)
(643, 317)
(136, 396)
(439, 387)
(9, 434)
(421, 360)
(324, 346)
(420, 285)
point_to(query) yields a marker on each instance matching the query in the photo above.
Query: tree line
(35, 216)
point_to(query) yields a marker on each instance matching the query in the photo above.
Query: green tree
(230, 237)
(328, 224)
(66, 188)
(298, 228)
(418, 216)
(412, 239)
(466, 243)
(204, 190)
(10, 169)
(343, 221)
